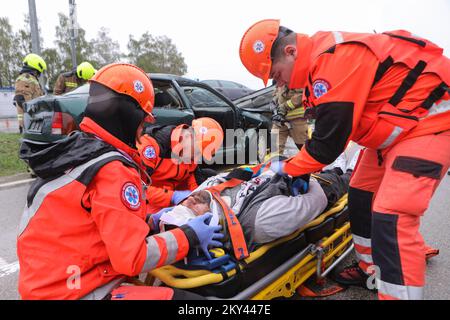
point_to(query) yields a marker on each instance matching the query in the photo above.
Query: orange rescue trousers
(389, 193)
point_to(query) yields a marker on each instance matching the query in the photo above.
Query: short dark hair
(285, 37)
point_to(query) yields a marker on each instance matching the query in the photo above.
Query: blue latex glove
(278, 167)
(299, 186)
(179, 196)
(154, 219)
(207, 235)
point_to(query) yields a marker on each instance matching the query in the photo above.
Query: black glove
(19, 100)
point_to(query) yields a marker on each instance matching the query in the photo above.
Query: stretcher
(273, 270)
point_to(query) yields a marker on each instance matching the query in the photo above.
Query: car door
(205, 102)
(169, 108)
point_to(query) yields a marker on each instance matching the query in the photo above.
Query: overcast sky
(208, 32)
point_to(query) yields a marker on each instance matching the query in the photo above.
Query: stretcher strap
(234, 227)
(236, 234)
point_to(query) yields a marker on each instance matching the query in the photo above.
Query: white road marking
(7, 269)
(14, 184)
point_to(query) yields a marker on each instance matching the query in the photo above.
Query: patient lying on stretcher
(268, 206)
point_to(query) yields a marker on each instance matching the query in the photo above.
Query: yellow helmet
(85, 71)
(36, 62)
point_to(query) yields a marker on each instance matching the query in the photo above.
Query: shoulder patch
(149, 153)
(130, 196)
(320, 87)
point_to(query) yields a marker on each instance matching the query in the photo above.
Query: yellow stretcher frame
(314, 259)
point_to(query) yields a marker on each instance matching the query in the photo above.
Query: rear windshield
(84, 89)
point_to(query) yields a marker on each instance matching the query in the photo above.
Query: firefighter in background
(171, 155)
(389, 93)
(71, 80)
(289, 118)
(86, 228)
(27, 84)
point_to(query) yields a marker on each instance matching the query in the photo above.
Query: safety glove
(200, 234)
(299, 186)
(153, 219)
(179, 196)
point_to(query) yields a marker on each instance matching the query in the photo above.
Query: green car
(177, 100)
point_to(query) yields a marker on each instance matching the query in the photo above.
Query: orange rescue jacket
(84, 227)
(166, 174)
(374, 89)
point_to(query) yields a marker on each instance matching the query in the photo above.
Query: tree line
(149, 52)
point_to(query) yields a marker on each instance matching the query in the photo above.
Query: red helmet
(208, 136)
(130, 80)
(256, 46)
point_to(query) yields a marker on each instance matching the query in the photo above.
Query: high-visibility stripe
(365, 242)
(367, 258)
(71, 84)
(153, 255)
(56, 184)
(171, 244)
(399, 291)
(441, 107)
(290, 104)
(394, 135)
(338, 37)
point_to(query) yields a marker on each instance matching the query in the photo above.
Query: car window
(201, 97)
(165, 96)
(212, 83)
(231, 85)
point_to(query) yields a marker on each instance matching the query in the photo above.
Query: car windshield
(201, 97)
(84, 89)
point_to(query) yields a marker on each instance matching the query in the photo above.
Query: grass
(10, 163)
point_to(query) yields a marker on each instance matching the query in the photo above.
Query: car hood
(53, 160)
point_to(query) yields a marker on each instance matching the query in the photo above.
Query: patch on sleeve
(149, 153)
(130, 196)
(320, 87)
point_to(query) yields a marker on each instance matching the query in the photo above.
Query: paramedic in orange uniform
(84, 229)
(171, 155)
(389, 93)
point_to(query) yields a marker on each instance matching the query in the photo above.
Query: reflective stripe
(71, 84)
(290, 104)
(444, 106)
(172, 246)
(364, 242)
(394, 135)
(367, 258)
(338, 37)
(399, 291)
(103, 291)
(153, 255)
(56, 184)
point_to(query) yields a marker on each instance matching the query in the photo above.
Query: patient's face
(198, 202)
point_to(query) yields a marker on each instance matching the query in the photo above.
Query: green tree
(54, 65)
(8, 54)
(105, 49)
(83, 47)
(156, 54)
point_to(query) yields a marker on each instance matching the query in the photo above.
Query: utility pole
(73, 30)
(35, 45)
(35, 41)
